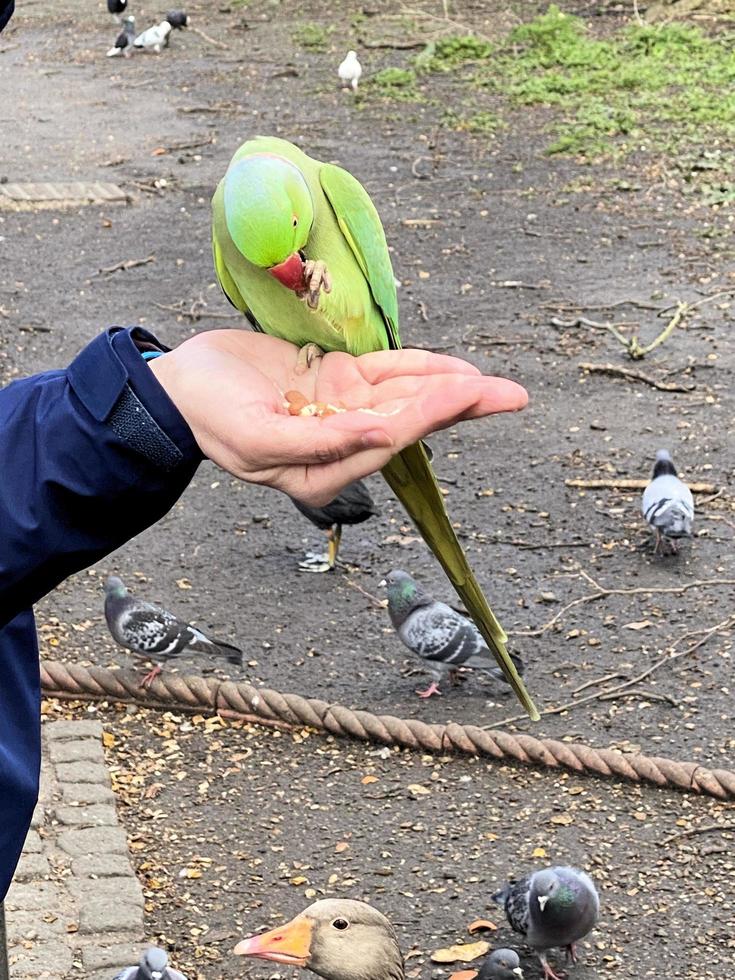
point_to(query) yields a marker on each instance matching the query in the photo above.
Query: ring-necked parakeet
(299, 248)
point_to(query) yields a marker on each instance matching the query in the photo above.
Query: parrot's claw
(306, 357)
(316, 279)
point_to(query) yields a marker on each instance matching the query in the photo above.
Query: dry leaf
(366, 780)
(562, 818)
(463, 975)
(479, 924)
(342, 846)
(183, 583)
(538, 852)
(160, 151)
(299, 880)
(418, 790)
(72, 927)
(464, 953)
(108, 739)
(643, 624)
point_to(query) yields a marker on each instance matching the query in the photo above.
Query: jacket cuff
(117, 387)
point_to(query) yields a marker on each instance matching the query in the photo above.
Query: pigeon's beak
(542, 900)
(383, 583)
(291, 944)
(290, 272)
(518, 972)
(156, 975)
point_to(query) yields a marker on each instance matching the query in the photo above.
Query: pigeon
(350, 70)
(353, 506)
(124, 43)
(443, 637)
(153, 965)
(667, 503)
(178, 19)
(502, 964)
(552, 907)
(155, 633)
(117, 7)
(155, 38)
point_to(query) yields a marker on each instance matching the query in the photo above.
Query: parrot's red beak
(290, 272)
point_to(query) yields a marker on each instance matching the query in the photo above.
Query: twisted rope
(240, 700)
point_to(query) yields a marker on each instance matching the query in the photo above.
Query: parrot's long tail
(410, 477)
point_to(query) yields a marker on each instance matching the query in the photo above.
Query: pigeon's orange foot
(316, 279)
(306, 357)
(433, 688)
(151, 676)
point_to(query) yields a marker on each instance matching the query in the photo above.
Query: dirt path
(491, 240)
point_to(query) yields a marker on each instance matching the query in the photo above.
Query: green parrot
(299, 248)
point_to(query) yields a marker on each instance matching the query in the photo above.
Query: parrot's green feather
(359, 315)
(363, 229)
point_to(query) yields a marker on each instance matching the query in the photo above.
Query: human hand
(229, 385)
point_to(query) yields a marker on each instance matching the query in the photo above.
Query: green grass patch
(652, 87)
(313, 37)
(398, 84)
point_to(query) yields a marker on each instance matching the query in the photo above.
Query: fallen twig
(631, 484)
(595, 324)
(379, 603)
(710, 828)
(518, 284)
(123, 266)
(623, 372)
(195, 311)
(210, 40)
(573, 307)
(607, 693)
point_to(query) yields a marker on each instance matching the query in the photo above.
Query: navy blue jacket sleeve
(90, 456)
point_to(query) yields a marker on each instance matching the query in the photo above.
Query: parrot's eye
(341, 924)
(295, 221)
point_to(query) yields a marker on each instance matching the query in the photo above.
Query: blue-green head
(269, 212)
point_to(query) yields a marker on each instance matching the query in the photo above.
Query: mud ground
(491, 240)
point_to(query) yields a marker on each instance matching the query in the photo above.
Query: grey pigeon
(155, 633)
(502, 964)
(553, 907)
(124, 43)
(440, 635)
(353, 506)
(153, 965)
(154, 39)
(667, 503)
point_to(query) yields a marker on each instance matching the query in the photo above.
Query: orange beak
(291, 944)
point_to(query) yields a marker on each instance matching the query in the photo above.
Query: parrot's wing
(229, 288)
(360, 224)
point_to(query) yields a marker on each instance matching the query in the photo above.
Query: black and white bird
(667, 503)
(178, 19)
(554, 907)
(155, 39)
(153, 965)
(124, 42)
(502, 964)
(350, 70)
(353, 506)
(154, 633)
(117, 7)
(440, 635)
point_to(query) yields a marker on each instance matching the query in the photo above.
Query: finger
(500, 395)
(319, 485)
(287, 440)
(381, 365)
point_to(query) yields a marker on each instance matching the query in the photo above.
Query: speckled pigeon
(178, 19)
(124, 41)
(117, 7)
(155, 633)
(353, 506)
(553, 907)
(502, 964)
(440, 635)
(153, 965)
(667, 503)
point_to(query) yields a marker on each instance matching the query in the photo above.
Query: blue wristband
(148, 355)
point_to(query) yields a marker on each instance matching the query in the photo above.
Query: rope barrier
(242, 701)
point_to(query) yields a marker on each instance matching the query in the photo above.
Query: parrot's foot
(316, 279)
(306, 357)
(433, 688)
(313, 562)
(150, 676)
